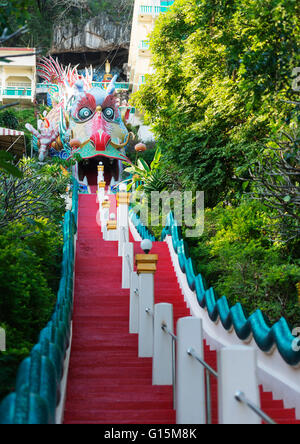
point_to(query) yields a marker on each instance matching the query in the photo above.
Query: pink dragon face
(95, 119)
(85, 120)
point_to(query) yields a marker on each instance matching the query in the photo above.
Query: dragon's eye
(85, 113)
(109, 113)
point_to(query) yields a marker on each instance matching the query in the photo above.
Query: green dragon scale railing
(256, 325)
(141, 229)
(37, 393)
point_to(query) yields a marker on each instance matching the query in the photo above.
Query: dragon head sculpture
(84, 119)
(95, 123)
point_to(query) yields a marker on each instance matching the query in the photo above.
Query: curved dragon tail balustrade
(141, 229)
(266, 337)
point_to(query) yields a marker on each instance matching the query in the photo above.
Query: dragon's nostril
(100, 139)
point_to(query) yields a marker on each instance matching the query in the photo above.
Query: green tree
(7, 166)
(237, 257)
(31, 238)
(222, 72)
(14, 13)
(276, 178)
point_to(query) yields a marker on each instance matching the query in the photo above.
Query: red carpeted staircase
(108, 383)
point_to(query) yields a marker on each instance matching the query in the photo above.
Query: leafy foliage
(9, 120)
(38, 192)
(29, 272)
(25, 274)
(6, 165)
(31, 212)
(236, 256)
(277, 182)
(14, 13)
(146, 178)
(222, 73)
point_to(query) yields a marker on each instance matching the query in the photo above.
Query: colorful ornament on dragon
(83, 119)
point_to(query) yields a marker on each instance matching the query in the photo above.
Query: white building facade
(144, 16)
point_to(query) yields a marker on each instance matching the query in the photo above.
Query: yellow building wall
(18, 75)
(139, 61)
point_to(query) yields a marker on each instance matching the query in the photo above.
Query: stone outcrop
(98, 34)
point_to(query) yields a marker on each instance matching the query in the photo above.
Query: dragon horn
(122, 145)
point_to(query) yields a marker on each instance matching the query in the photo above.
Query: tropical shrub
(276, 179)
(146, 178)
(30, 260)
(221, 83)
(7, 165)
(38, 193)
(9, 120)
(239, 259)
(29, 266)
(31, 214)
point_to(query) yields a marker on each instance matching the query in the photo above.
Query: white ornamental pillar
(190, 387)
(127, 264)
(146, 269)
(2, 340)
(237, 368)
(134, 303)
(123, 199)
(101, 192)
(162, 364)
(104, 212)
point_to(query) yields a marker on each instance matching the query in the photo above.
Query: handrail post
(190, 387)
(101, 192)
(146, 269)
(237, 373)
(127, 264)
(123, 213)
(2, 340)
(105, 232)
(162, 364)
(104, 213)
(134, 303)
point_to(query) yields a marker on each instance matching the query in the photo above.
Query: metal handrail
(208, 371)
(165, 328)
(124, 234)
(191, 352)
(241, 397)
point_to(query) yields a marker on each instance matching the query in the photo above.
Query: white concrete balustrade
(123, 213)
(127, 264)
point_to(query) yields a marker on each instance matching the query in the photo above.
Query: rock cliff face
(100, 34)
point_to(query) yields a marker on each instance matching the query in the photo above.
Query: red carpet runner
(108, 383)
